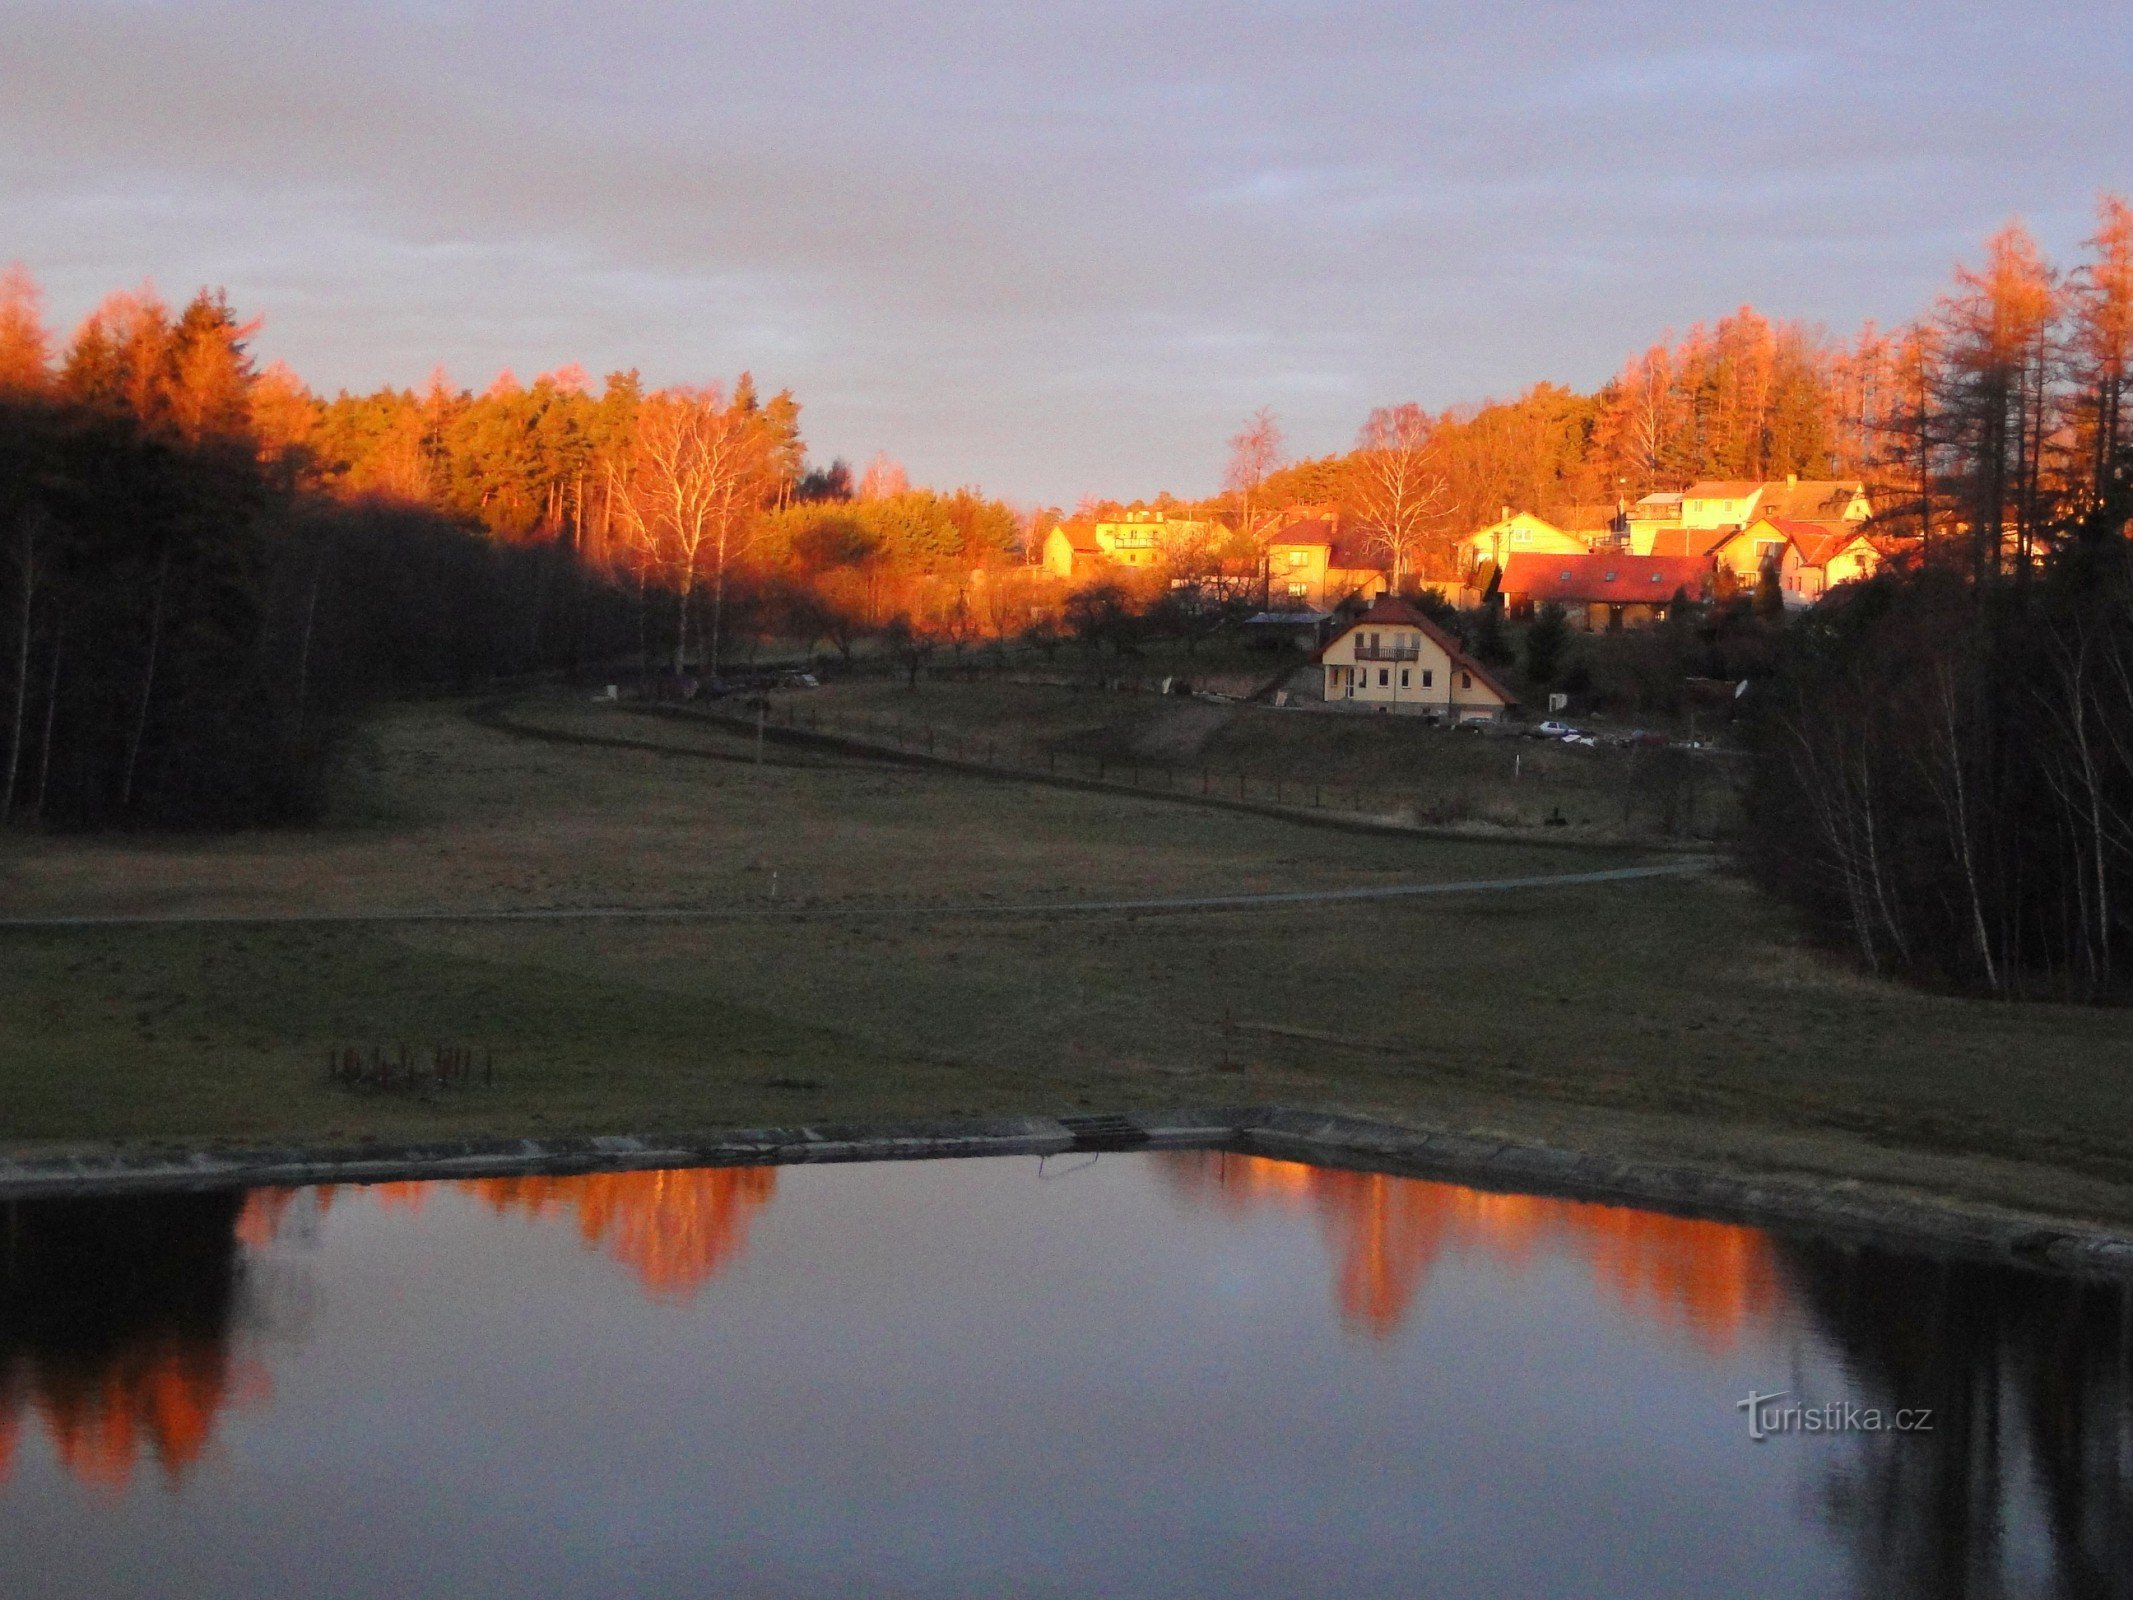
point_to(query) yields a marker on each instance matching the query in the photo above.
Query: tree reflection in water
(676, 1230)
(1708, 1281)
(120, 1319)
(2024, 1486)
(2030, 1380)
(115, 1329)
(117, 1315)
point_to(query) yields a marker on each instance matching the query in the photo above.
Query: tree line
(208, 569)
(1946, 782)
(189, 627)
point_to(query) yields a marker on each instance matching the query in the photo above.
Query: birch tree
(1397, 485)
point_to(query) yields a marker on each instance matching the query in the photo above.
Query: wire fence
(1230, 784)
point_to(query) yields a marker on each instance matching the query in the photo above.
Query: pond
(1158, 1373)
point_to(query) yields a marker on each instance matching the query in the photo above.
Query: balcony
(1410, 651)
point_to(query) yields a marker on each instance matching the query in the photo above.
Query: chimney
(1792, 480)
(1507, 513)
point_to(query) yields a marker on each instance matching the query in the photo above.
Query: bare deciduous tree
(1397, 486)
(1254, 453)
(690, 499)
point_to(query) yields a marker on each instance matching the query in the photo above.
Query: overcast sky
(1054, 250)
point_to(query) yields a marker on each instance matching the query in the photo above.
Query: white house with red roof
(1393, 658)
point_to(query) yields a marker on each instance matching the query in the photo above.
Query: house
(1830, 556)
(1726, 503)
(1514, 534)
(1650, 519)
(1148, 538)
(1810, 558)
(1071, 551)
(1313, 562)
(1604, 591)
(1136, 539)
(1393, 658)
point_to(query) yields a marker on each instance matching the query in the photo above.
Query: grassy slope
(1467, 777)
(1672, 1018)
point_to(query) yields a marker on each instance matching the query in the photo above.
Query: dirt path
(908, 913)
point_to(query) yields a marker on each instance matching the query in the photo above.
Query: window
(1466, 680)
(1428, 673)
(1299, 558)
(1404, 679)
(1299, 590)
(1521, 535)
(1384, 677)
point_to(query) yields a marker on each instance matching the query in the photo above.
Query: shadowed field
(1672, 1017)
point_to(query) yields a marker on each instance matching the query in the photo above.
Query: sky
(1056, 250)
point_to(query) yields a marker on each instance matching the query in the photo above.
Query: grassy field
(1675, 1018)
(1467, 779)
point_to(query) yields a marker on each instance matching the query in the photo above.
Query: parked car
(1557, 730)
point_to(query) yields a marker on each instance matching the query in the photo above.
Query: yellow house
(1139, 539)
(1313, 564)
(1810, 558)
(1655, 518)
(1071, 551)
(1517, 533)
(1718, 503)
(1392, 658)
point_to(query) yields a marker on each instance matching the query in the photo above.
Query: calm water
(1155, 1374)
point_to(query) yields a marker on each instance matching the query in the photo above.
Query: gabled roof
(1820, 542)
(1080, 537)
(1390, 611)
(1309, 532)
(1723, 489)
(1607, 579)
(1347, 550)
(1810, 499)
(1689, 543)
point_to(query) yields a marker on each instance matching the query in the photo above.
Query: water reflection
(1708, 1281)
(2030, 1380)
(126, 1327)
(116, 1317)
(675, 1230)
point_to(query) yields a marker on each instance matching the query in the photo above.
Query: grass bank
(1673, 1019)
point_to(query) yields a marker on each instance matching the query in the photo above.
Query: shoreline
(1778, 1201)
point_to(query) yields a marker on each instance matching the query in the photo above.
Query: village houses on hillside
(1613, 568)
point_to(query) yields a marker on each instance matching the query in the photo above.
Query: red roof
(1697, 542)
(1818, 542)
(1346, 550)
(1390, 611)
(1605, 579)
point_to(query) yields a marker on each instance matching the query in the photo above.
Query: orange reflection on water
(676, 1229)
(153, 1399)
(1710, 1282)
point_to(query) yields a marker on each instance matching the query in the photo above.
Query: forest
(209, 570)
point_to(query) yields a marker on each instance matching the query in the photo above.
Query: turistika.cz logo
(1766, 1418)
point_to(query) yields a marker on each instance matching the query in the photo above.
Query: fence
(1233, 785)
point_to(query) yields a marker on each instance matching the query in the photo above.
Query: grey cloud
(1057, 248)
